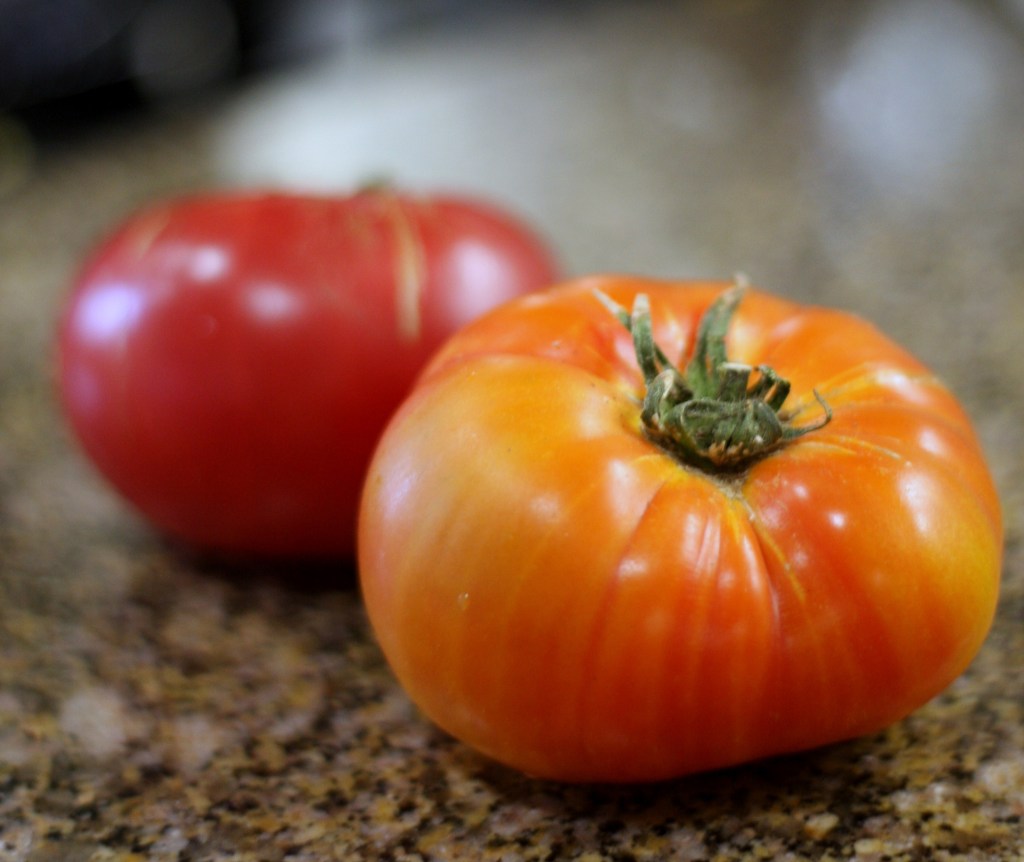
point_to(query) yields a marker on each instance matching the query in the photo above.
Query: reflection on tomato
(228, 361)
(588, 581)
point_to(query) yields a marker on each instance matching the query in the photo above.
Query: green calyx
(716, 414)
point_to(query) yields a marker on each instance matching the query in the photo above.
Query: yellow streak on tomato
(410, 271)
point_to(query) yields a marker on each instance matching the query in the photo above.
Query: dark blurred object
(64, 60)
(54, 50)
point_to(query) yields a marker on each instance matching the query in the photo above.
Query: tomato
(605, 546)
(229, 360)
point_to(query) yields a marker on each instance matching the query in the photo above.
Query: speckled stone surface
(158, 705)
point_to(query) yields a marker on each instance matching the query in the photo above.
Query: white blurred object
(572, 121)
(480, 113)
(908, 97)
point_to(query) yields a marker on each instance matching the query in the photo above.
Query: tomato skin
(229, 360)
(557, 591)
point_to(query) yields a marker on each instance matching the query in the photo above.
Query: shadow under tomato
(835, 779)
(310, 576)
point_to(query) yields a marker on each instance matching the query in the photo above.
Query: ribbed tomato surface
(559, 591)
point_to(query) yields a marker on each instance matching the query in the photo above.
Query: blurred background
(862, 154)
(656, 136)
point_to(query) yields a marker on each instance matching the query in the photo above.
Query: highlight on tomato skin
(575, 561)
(228, 360)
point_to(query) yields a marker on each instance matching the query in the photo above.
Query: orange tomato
(560, 581)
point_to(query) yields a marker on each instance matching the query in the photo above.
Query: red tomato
(590, 572)
(228, 361)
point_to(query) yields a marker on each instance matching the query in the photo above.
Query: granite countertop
(156, 704)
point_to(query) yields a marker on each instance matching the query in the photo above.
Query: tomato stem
(716, 414)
